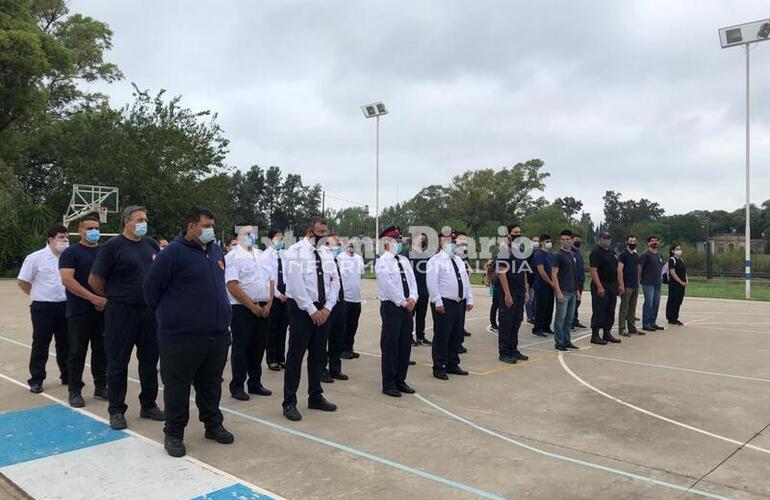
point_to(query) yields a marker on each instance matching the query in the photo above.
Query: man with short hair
(543, 261)
(230, 244)
(312, 285)
(577, 242)
(419, 260)
(185, 287)
(531, 306)
(512, 293)
(604, 290)
(249, 278)
(628, 285)
(162, 243)
(118, 273)
(650, 277)
(565, 284)
(39, 278)
(397, 289)
(85, 313)
(351, 271)
(336, 344)
(278, 322)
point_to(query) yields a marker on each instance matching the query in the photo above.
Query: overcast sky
(633, 96)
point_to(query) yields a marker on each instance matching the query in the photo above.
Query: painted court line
(354, 451)
(655, 415)
(565, 458)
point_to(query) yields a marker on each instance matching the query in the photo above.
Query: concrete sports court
(677, 414)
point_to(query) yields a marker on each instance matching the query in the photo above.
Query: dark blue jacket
(185, 286)
(581, 268)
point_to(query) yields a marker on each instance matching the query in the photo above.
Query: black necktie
(281, 282)
(342, 292)
(319, 273)
(404, 284)
(460, 292)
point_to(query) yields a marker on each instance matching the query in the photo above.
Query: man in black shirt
(650, 269)
(84, 311)
(604, 290)
(419, 258)
(564, 277)
(511, 292)
(118, 273)
(628, 281)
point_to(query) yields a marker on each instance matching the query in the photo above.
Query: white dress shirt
(301, 278)
(253, 271)
(41, 269)
(351, 270)
(442, 279)
(389, 278)
(273, 255)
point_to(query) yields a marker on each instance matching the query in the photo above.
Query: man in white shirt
(249, 278)
(312, 285)
(337, 319)
(351, 271)
(450, 296)
(398, 296)
(278, 322)
(40, 279)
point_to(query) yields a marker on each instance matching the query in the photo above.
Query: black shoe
(346, 355)
(412, 362)
(274, 367)
(392, 392)
(657, 327)
(326, 378)
(571, 346)
(355, 354)
(118, 421)
(240, 395)
(261, 391)
(292, 413)
(426, 342)
(76, 400)
(282, 364)
(508, 359)
(519, 356)
(676, 322)
(638, 332)
(174, 446)
(596, 339)
(36, 387)
(624, 334)
(321, 404)
(339, 376)
(65, 381)
(560, 348)
(153, 413)
(493, 328)
(456, 370)
(101, 393)
(466, 333)
(578, 324)
(531, 321)
(549, 331)
(220, 435)
(648, 328)
(415, 343)
(462, 350)
(403, 387)
(609, 338)
(634, 331)
(539, 334)
(440, 374)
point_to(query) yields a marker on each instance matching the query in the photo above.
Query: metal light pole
(375, 110)
(746, 34)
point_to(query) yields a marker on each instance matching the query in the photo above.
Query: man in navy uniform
(419, 260)
(577, 242)
(512, 293)
(604, 290)
(337, 320)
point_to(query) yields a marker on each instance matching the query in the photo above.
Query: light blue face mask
(399, 248)
(140, 229)
(250, 240)
(336, 250)
(450, 248)
(92, 235)
(278, 245)
(208, 235)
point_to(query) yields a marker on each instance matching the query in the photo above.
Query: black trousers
(603, 308)
(493, 309)
(277, 325)
(304, 336)
(543, 309)
(126, 326)
(508, 328)
(420, 311)
(351, 324)
(338, 322)
(462, 319)
(447, 334)
(249, 337)
(83, 329)
(674, 301)
(197, 360)
(395, 343)
(576, 319)
(48, 322)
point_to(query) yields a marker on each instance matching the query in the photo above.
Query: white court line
(354, 451)
(706, 326)
(655, 415)
(145, 439)
(565, 458)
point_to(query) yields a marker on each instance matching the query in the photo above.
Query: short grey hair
(130, 210)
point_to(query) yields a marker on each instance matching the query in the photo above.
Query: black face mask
(632, 246)
(577, 244)
(316, 239)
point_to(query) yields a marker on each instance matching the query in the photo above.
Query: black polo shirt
(652, 268)
(566, 263)
(512, 266)
(630, 262)
(80, 258)
(606, 264)
(122, 264)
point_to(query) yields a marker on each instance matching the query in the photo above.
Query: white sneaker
(491, 329)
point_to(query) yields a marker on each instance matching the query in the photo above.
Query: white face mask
(677, 253)
(61, 246)
(535, 244)
(548, 245)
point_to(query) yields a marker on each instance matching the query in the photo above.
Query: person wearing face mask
(677, 282)
(279, 315)
(162, 243)
(250, 288)
(604, 290)
(118, 273)
(39, 278)
(531, 306)
(185, 288)
(461, 250)
(351, 272)
(650, 269)
(511, 293)
(312, 285)
(231, 243)
(577, 242)
(337, 319)
(564, 276)
(419, 259)
(397, 289)
(543, 260)
(450, 293)
(628, 285)
(85, 313)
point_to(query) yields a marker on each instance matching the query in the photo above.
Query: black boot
(596, 339)
(609, 338)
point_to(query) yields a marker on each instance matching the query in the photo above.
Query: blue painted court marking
(234, 492)
(48, 430)
(565, 458)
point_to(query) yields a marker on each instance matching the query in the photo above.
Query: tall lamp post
(375, 110)
(746, 34)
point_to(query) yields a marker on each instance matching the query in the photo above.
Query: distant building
(722, 243)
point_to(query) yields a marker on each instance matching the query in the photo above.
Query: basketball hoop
(86, 199)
